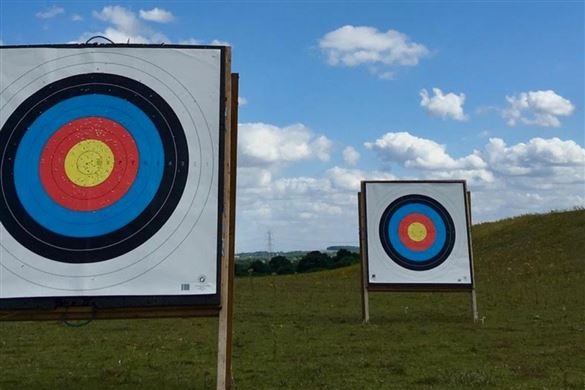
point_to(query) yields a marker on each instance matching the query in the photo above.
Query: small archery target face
(109, 166)
(417, 233)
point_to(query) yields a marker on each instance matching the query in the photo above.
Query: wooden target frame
(414, 209)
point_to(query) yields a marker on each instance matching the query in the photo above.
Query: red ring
(75, 197)
(424, 244)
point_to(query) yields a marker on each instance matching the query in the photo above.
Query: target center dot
(417, 231)
(89, 163)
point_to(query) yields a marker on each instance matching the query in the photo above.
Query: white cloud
(444, 105)
(415, 152)
(254, 177)
(299, 186)
(120, 36)
(124, 25)
(477, 178)
(76, 18)
(351, 46)
(121, 17)
(363, 45)
(542, 108)
(534, 176)
(264, 144)
(157, 15)
(242, 101)
(349, 179)
(538, 157)
(350, 156)
(50, 12)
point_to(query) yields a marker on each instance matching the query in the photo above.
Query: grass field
(304, 332)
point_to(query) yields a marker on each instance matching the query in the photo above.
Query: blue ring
(73, 223)
(394, 237)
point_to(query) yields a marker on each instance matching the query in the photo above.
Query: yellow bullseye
(89, 163)
(417, 231)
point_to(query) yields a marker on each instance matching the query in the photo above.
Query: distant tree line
(281, 265)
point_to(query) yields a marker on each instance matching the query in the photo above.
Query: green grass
(304, 332)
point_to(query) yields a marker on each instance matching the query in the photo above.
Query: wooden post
(224, 353)
(473, 297)
(364, 269)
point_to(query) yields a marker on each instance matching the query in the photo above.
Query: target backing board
(111, 175)
(417, 235)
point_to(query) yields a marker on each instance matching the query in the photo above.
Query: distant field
(304, 332)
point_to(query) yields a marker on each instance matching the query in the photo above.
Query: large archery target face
(109, 171)
(417, 233)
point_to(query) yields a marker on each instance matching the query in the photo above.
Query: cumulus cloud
(416, 152)
(120, 17)
(350, 156)
(157, 15)
(533, 176)
(537, 157)
(125, 25)
(50, 12)
(254, 177)
(443, 105)
(350, 179)
(355, 45)
(476, 177)
(363, 45)
(76, 18)
(300, 186)
(265, 144)
(542, 108)
(505, 180)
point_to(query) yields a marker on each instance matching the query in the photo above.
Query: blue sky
(336, 92)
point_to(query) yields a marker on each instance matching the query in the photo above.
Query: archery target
(417, 233)
(109, 170)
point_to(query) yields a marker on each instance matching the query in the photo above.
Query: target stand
(117, 183)
(415, 237)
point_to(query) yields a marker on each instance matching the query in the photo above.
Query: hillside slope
(303, 331)
(534, 260)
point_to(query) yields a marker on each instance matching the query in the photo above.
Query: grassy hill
(304, 331)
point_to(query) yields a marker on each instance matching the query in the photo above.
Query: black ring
(68, 249)
(395, 255)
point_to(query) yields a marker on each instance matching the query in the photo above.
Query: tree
(259, 267)
(314, 261)
(241, 268)
(344, 257)
(281, 265)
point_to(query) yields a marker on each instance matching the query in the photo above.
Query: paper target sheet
(417, 233)
(110, 170)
